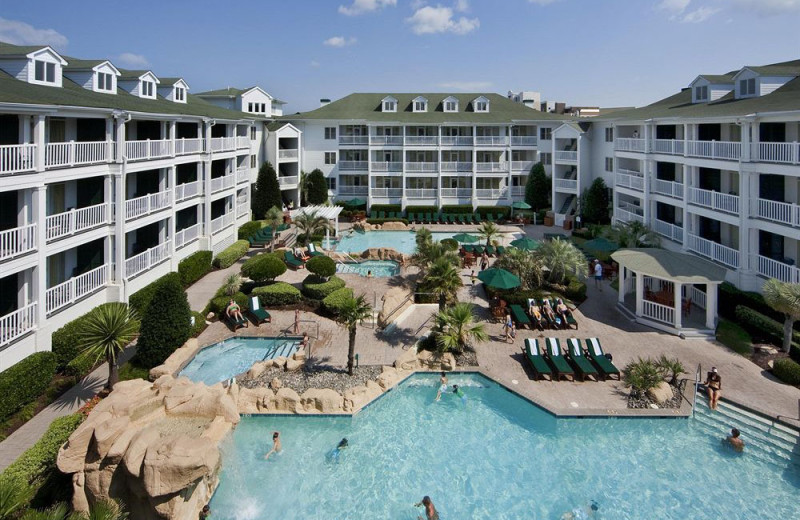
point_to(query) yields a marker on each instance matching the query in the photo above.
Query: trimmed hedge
(321, 266)
(385, 220)
(277, 294)
(424, 209)
(194, 267)
(762, 327)
(335, 300)
(249, 229)
(505, 211)
(219, 303)
(228, 256)
(576, 290)
(375, 208)
(165, 325)
(731, 297)
(80, 366)
(787, 371)
(26, 381)
(518, 297)
(140, 300)
(460, 208)
(317, 288)
(264, 267)
(199, 324)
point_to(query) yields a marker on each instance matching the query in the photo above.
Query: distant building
(527, 97)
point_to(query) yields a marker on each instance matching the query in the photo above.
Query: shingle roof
(7, 49)
(276, 125)
(76, 64)
(224, 92)
(127, 75)
(170, 81)
(716, 79)
(784, 68)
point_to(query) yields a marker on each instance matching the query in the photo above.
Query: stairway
(567, 203)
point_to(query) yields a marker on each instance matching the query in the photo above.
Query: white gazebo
(671, 291)
(328, 212)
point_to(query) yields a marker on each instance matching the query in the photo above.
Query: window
(253, 161)
(147, 89)
(180, 94)
(609, 164)
(481, 106)
(420, 106)
(747, 87)
(330, 132)
(331, 183)
(263, 108)
(545, 134)
(253, 133)
(609, 135)
(547, 158)
(390, 105)
(701, 93)
(451, 106)
(45, 72)
(250, 107)
(330, 157)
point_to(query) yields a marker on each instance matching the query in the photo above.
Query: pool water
(221, 361)
(401, 241)
(496, 457)
(378, 268)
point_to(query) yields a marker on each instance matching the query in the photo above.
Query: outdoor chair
(490, 250)
(539, 322)
(595, 353)
(235, 322)
(429, 218)
(291, 261)
(533, 355)
(501, 250)
(489, 217)
(381, 214)
(552, 323)
(571, 321)
(259, 315)
(559, 364)
(582, 365)
(312, 250)
(519, 316)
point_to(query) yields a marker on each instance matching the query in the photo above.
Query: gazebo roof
(670, 265)
(329, 212)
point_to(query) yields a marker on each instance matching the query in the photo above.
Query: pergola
(665, 284)
(329, 212)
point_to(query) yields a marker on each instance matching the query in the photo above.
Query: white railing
(421, 193)
(386, 140)
(658, 312)
(143, 261)
(628, 216)
(493, 193)
(222, 144)
(627, 144)
(671, 231)
(242, 174)
(222, 222)
(77, 220)
(187, 235)
(499, 167)
(242, 142)
(352, 190)
(16, 158)
(523, 140)
(784, 153)
(457, 192)
(717, 252)
(353, 139)
(774, 269)
(424, 167)
(67, 293)
(698, 297)
(188, 190)
(781, 212)
(491, 140)
(521, 165)
(17, 324)
(17, 241)
(456, 166)
(669, 188)
(714, 200)
(566, 155)
(288, 153)
(387, 192)
(223, 183)
(242, 209)
(629, 180)
(144, 150)
(386, 166)
(728, 150)
(566, 184)
(518, 191)
(421, 140)
(668, 146)
(353, 165)
(75, 153)
(457, 140)
(287, 180)
(187, 146)
(147, 204)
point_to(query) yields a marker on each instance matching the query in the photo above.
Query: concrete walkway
(205, 288)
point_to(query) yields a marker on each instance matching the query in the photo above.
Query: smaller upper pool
(221, 361)
(376, 268)
(402, 241)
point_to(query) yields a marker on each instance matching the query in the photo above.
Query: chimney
(323, 102)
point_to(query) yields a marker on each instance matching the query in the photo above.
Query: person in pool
(334, 456)
(582, 513)
(276, 445)
(430, 509)
(442, 385)
(735, 441)
(460, 393)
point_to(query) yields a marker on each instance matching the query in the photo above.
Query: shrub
(595, 203)
(228, 256)
(249, 229)
(266, 192)
(335, 300)
(787, 371)
(80, 366)
(277, 294)
(641, 375)
(373, 211)
(194, 267)
(66, 342)
(537, 188)
(25, 381)
(460, 208)
(730, 297)
(140, 300)
(450, 244)
(670, 368)
(575, 290)
(762, 327)
(165, 325)
(321, 266)
(263, 267)
(385, 220)
(518, 297)
(505, 211)
(734, 337)
(316, 239)
(199, 324)
(423, 209)
(132, 370)
(219, 303)
(317, 288)
(317, 188)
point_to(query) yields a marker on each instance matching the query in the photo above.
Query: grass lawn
(734, 337)
(131, 370)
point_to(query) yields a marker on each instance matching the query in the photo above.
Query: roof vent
(323, 102)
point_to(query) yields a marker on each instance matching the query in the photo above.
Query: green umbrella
(499, 278)
(465, 238)
(526, 244)
(521, 204)
(601, 245)
(356, 202)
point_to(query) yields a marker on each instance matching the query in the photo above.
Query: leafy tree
(317, 189)
(105, 333)
(311, 224)
(785, 298)
(490, 231)
(423, 238)
(561, 257)
(165, 324)
(537, 189)
(594, 203)
(263, 268)
(322, 266)
(302, 185)
(443, 280)
(525, 264)
(273, 219)
(457, 328)
(353, 311)
(266, 192)
(633, 234)
(429, 253)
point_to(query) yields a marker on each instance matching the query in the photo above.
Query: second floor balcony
(780, 153)
(352, 190)
(422, 167)
(287, 181)
(188, 235)
(223, 182)
(188, 190)
(17, 241)
(60, 155)
(148, 259)
(222, 222)
(713, 250)
(348, 166)
(668, 230)
(456, 166)
(78, 220)
(491, 167)
(287, 154)
(668, 188)
(147, 204)
(785, 213)
(629, 179)
(383, 166)
(715, 200)
(566, 156)
(394, 193)
(569, 185)
(145, 150)
(67, 293)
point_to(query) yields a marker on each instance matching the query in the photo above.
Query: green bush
(576, 290)
(165, 324)
(459, 208)
(641, 375)
(423, 209)
(199, 324)
(385, 220)
(219, 303)
(194, 267)
(24, 382)
(505, 211)
(335, 300)
(140, 300)
(734, 337)
(450, 244)
(317, 288)
(321, 266)
(518, 297)
(762, 327)
(277, 294)
(316, 188)
(249, 229)
(228, 256)
(787, 371)
(316, 239)
(80, 366)
(263, 267)
(373, 211)
(132, 370)
(730, 297)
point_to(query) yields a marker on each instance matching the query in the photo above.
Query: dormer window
(451, 106)
(44, 72)
(420, 104)
(701, 93)
(148, 89)
(480, 105)
(389, 105)
(747, 87)
(105, 82)
(180, 94)
(257, 108)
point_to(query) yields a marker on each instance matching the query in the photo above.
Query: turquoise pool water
(498, 457)
(221, 361)
(378, 268)
(402, 241)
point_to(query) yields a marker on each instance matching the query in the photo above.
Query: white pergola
(328, 212)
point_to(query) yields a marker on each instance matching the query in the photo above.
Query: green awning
(670, 265)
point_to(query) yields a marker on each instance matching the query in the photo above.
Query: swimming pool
(499, 457)
(378, 268)
(221, 361)
(401, 241)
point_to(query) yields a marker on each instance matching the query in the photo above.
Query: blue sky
(583, 52)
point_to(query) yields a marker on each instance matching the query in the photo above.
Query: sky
(582, 52)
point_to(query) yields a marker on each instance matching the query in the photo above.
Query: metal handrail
(697, 376)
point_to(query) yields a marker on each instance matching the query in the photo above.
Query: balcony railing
(518, 166)
(395, 166)
(492, 193)
(770, 268)
(69, 292)
(145, 150)
(345, 166)
(628, 216)
(422, 167)
(491, 140)
(287, 180)
(287, 154)
(656, 311)
(188, 190)
(671, 231)
(668, 146)
(392, 140)
(223, 182)
(421, 193)
(242, 209)
(462, 193)
(518, 191)
(714, 200)
(18, 323)
(456, 166)
(629, 179)
(242, 142)
(17, 241)
(422, 140)
(187, 235)
(73, 153)
(188, 146)
(782, 153)
(141, 206)
(353, 139)
(352, 190)
(566, 184)
(143, 261)
(222, 222)
(780, 212)
(668, 188)
(628, 144)
(457, 140)
(709, 249)
(17, 158)
(566, 156)
(727, 150)
(242, 174)
(387, 192)
(77, 220)
(523, 140)
(222, 144)
(496, 167)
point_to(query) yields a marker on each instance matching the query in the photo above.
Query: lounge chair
(235, 322)
(429, 218)
(489, 217)
(490, 250)
(381, 214)
(560, 365)
(582, 365)
(595, 352)
(571, 321)
(312, 250)
(536, 322)
(533, 354)
(519, 316)
(291, 261)
(471, 219)
(554, 323)
(479, 250)
(259, 315)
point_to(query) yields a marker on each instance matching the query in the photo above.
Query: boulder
(294, 364)
(448, 361)
(275, 384)
(106, 433)
(428, 360)
(279, 362)
(322, 401)
(79, 501)
(137, 449)
(72, 455)
(661, 393)
(407, 360)
(249, 399)
(177, 462)
(388, 378)
(300, 355)
(217, 430)
(286, 400)
(257, 369)
(177, 359)
(357, 397)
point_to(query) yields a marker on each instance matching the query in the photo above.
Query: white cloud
(673, 6)
(314, 64)
(339, 41)
(699, 15)
(365, 6)
(432, 20)
(542, 2)
(769, 7)
(21, 33)
(461, 6)
(130, 59)
(466, 85)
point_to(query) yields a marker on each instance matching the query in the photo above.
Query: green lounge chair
(582, 365)
(519, 315)
(429, 218)
(259, 314)
(291, 261)
(235, 322)
(479, 250)
(560, 365)
(470, 218)
(257, 242)
(469, 248)
(553, 323)
(381, 214)
(571, 321)
(411, 217)
(490, 250)
(595, 352)
(312, 250)
(539, 365)
(489, 217)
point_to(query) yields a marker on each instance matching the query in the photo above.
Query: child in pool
(276, 445)
(335, 452)
(442, 386)
(460, 393)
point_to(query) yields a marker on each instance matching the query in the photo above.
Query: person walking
(297, 321)
(598, 274)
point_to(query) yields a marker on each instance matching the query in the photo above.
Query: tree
(106, 332)
(352, 312)
(633, 234)
(443, 280)
(537, 189)
(561, 257)
(266, 192)
(322, 266)
(594, 203)
(302, 185)
(428, 253)
(423, 238)
(489, 231)
(784, 297)
(273, 218)
(317, 189)
(263, 268)
(165, 324)
(457, 328)
(310, 224)
(525, 264)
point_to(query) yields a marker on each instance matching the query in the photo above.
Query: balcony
(142, 262)
(141, 206)
(491, 140)
(421, 140)
(658, 312)
(628, 144)
(67, 293)
(518, 191)
(222, 222)
(570, 185)
(668, 188)
(725, 150)
(670, 231)
(491, 167)
(288, 154)
(17, 158)
(242, 175)
(712, 250)
(457, 140)
(285, 181)
(242, 142)
(17, 241)
(421, 193)
(353, 139)
(422, 167)
(386, 166)
(223, 182)
(187, 235)
(386, 140)
(386, 192)
(521, 166)
(628, 214)
(769, 268)
(60, 155)
(629, 179)
(523, 140)
(222, 144)
(567, 156)
(242, 209)
(349, 166)
(188, 190)
(460, 193)
(17, 324)
(780, 153)
(352, 190)
(456, 167)
(668, 146)
(146, 150)
(779, 212)
(492, 193)
(77, 220)
(714, 200)
(188, 146)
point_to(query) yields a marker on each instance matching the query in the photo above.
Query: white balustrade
(717, 252)
(77, 220)
(629, 179)
(457, 140)
(242, 209)
(698, 297)
(353, 139)
(671, 231)
(242, 142)
(188, 190)
(565, 184)
(187, 235)
(222, 144)
(222, 222)
(668, 146)
(188, 146)
(780, 212)
(143, 261)
(17, 158)
(386, 166)
(287, 180)
(774, 269)
(421, 140)
(140, 206)
(353, 165)
(393, 140)
(288, 153)
(727, 150)
(493, 193)
(669, 188)
(456, 166)
(656, 311)
(628, 216)
(518, 191)
(627, 144)
(521, 165)
(387, 192)
(422, 167)
(17, 241)
(714, 200)
(783, 153)
(421, 193)
(523, 140)
(461, 193)
(67, 293)
(491, 140)
(495, 167)
(566, 156)
(242, 174)
(144, 150)
(352, 190)
(223, 182)
(75, 153)
(17, 323)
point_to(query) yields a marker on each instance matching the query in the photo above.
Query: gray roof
(717, 79)
(76, 64)
(8, 49)
(169, 81)
(670, 265)
(128, 75)
(224, 92)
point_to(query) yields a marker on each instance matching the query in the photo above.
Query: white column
(39, 293)
(711, 305)
(41, 144)
(109, 140)
(121, 137)
(639, 293)
(678, 304)
(621, 295)
(171, 172)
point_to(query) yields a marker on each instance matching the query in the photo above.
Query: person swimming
(734, 440)
(276, 445)
(460, 393)
(587, 512)
(442, 386)
(333, 456)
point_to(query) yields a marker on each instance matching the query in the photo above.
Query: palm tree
(232, 284)
(785, 298)
(457, 328)
(352, 312)
(107, 510)
(273, 218)
(107, 330)
(489, 231)
(444, 280)
(423, 238)
(525, 264)
(310, 224)
(13, 496)
(57, 512)
(429, 253)
(634, 234)
(561, 257)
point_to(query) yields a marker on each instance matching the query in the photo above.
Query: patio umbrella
(465, 238)
(520, 204)
(356, 202)
(499, 278)
(601, 245)
(525, 243)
